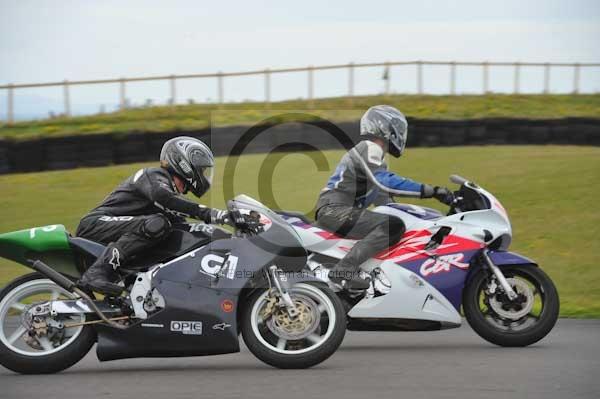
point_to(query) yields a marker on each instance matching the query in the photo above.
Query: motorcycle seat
(314, 226)
(88, 247)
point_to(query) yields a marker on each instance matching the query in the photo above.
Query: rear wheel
(39, 344)
(519, 322)
(293, 343)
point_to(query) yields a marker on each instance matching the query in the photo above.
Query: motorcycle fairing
(445, 267)
(409, 253)
(182, 240)
(430, 288)
(506, 258)
(444, 287)
(412, 298)
(71, 256)
(251, 256)
(154, 337)
(420, 212)
(450, 279)
(192, 293)
(49, 244)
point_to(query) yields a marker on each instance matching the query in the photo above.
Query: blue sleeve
(398, 185)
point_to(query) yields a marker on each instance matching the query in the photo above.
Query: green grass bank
(550, 193)
(193, 117)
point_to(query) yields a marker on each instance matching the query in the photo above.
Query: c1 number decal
(217, 265)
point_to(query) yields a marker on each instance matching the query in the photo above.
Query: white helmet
(387, 123)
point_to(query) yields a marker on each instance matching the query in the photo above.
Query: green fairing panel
(47, 243)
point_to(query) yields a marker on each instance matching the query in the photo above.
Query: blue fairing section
(449, 283)
(395, 182)
(504, 258)
(336, 177)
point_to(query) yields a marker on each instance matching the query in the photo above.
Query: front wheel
(39, 344)
(519, 322)
(294, 343)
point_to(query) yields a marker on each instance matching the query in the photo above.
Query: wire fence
(350, 68)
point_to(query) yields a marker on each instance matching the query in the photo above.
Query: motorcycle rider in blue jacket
(361, 179)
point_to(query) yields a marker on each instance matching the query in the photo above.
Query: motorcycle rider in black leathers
(361, 179)
(140, 212)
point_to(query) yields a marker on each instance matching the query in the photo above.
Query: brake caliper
(269, 308)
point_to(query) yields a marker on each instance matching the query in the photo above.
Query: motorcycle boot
(348, 277)
(102, 275)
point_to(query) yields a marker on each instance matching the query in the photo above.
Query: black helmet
(190, 159)
(387, 123)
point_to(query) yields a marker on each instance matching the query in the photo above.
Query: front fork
(279, 283)
(499, 276)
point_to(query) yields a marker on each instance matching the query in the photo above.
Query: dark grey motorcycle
(191, 296)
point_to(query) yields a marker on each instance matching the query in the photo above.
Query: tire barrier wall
(119, 148)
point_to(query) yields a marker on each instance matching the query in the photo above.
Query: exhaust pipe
(71, 286)
(53, 275)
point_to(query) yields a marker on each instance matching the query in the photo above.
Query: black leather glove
(443, 195)
(232, 218)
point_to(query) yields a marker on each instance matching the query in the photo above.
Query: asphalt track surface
(442, 364)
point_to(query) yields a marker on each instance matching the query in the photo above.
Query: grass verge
(550, 193)
(193, 117)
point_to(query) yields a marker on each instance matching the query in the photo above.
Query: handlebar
(246, 224)
(458, 179)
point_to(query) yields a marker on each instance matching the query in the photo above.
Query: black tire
(48, 364)
(530, 335)
(296, 361)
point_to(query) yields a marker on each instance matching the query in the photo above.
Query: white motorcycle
(440, 264)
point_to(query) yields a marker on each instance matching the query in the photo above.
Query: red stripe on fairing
(327, 235)
(414, 241)
(411, 243)
(411, 240)
(454, 243)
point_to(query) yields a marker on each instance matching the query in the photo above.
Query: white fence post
(388, 78)
(547, 78)
(267, 88)
(517, 83)
(311, 84)
(351, 79)
(173, 90)
(453, 78)
(67, 98)
(576, 78)
(351, 83)
(420, 77)
(122, 94)
(220, 88)
(486, 78)
(10, 116)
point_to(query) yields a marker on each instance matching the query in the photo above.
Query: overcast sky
(55, 40)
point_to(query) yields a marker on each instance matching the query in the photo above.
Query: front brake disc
(521, 288)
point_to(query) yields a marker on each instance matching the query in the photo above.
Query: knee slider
(156, 227)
